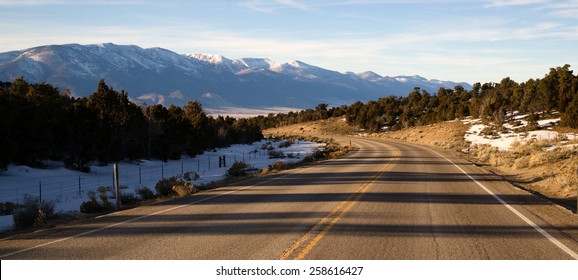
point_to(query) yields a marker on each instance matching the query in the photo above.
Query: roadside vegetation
(492, 102)
(40, 122)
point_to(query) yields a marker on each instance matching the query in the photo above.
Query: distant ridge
(157, 75)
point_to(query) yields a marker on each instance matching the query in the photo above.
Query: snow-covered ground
(68, 188)
(503, 140)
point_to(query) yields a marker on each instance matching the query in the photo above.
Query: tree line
(40, 122)
(556, 91)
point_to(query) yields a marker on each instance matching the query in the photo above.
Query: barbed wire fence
(131, 176)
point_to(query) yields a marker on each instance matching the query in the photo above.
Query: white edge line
(520, 215)
(146, 216)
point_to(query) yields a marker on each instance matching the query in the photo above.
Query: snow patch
(503, 140)
(69, 188)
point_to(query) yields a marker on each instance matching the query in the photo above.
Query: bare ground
(333, 126)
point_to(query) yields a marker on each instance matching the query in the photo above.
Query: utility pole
(116, 187)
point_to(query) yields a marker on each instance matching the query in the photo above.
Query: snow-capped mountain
(158, 75)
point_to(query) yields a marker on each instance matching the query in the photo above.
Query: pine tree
(570, 117)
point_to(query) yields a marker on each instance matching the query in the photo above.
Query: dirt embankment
(333, 126)
(447, 135)
(532, 166)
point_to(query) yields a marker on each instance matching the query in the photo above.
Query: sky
(458, 40)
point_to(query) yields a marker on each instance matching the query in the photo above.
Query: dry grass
(541, 166)
(332, 126)
(447, 135)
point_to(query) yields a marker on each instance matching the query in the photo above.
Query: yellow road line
(324, 225)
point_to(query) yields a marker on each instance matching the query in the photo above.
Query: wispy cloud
(17, 3)
(567, 9)
(504, 3)
(293, 4)
(259, 6)
(272, 6)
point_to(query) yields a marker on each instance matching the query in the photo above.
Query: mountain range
(156, 75)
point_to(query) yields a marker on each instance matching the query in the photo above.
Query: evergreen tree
(566, 87)
(570, 117)
(121, 125)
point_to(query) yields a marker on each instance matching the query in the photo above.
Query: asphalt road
(388, 200)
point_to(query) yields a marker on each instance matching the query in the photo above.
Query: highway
(386, 200)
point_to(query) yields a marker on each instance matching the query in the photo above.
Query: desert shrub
(279, 166)
(489, 131)
(265, 171)
(559, 154)
(191, 176)
(328, 152)
(561, 137)
(166, 187)
(183, 189)
(145, 193)
(7, 207)
(33, 213)
(276, 154)
(308, 159)
(539, 145)
(532, 146)
(495, 159)
(92, 206)
(319, 154)
(485, 152)
(539, 159)
(338, 153)
(286, 143)
(238, 169)
(565, 181)
(128, 198)
(522, 162)
(103, 195)
(515, 122)
(266, 145)
(517, 148)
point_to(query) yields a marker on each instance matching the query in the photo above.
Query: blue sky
(471, 41)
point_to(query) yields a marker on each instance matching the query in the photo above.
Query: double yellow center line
(309, 240)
